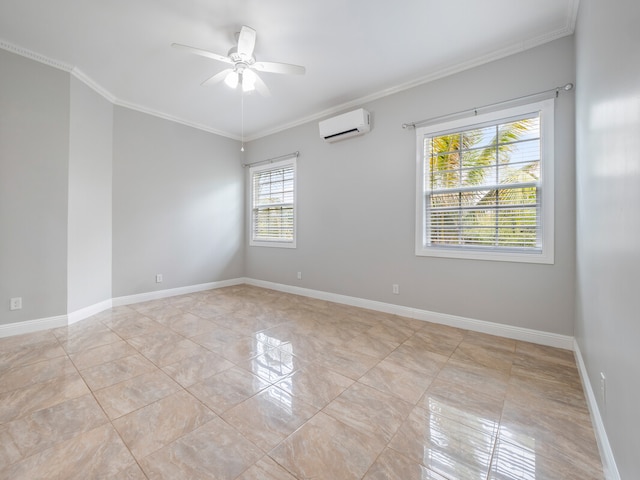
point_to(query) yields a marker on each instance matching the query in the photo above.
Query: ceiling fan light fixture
(248, 80)
(232, 79)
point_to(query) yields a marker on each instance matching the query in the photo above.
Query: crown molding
(445, 71)
(172, 118)
(93, 85)
(25, 52)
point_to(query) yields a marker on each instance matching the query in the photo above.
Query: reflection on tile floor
(248, 383)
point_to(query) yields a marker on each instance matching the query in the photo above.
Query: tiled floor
(246, 383)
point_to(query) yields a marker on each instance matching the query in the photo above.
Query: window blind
(273, 199)
(482, 187)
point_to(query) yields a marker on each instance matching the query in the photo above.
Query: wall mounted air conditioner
(346, 125)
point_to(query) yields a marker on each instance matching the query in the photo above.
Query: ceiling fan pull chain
(242, 118)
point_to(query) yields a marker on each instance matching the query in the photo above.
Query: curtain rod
(557, 90)
(271, 160)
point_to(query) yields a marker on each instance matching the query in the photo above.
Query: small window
(485, 186)
(273, 204)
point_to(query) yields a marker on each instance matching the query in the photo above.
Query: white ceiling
(354, 50)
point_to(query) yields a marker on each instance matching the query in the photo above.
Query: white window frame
(546, 212)
(273, 166)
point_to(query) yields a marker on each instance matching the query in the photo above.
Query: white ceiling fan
(244, 63)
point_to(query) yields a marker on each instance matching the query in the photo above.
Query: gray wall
(34, 152)
(356, 206)
(608, 220)
(178, 205)
(89, 220)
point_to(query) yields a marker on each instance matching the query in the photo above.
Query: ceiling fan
(244, 64)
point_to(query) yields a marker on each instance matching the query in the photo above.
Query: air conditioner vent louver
(343, 126)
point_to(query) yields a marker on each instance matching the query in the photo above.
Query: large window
(485, 186)
(273, 199)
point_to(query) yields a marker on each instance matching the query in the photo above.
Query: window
(273, 199)
(485, 186)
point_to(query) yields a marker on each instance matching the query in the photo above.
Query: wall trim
(86, 312)
(172, 292)
(492, 328)
(30, 326)
(606, 453)
(517, 333)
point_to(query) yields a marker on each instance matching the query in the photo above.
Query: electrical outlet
(396, 289)
(159, 278)
(299, 275)
(603, 388)
(16, 303)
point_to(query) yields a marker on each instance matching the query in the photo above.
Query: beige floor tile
(324, 448)
(129, 327)
(518, 462)
(213, 451)
(484, 380)
(500, 359)
(349, 363)
(24, 401)
(400, 398)
(98, 453)
(545, 368)
(549, 354)
(315, 385)
(9, 452)
(438, 339)
(88, 339)
(373, 346)
(490, 341)
(269, 417)
(106, 353)
(188, 324)
(413, 357)
(207, 309)
(404, 383)
(125, 397)
(169, 353)
(33, 373)
(391, 465)
(391, 332)
(226, 389)
(47, 427)
(369, 411)
(462, 403)
(133, 472)
(116, 371)
(14, 354)
(197, 368)
(444, 445)
(242, 324)
(266, 469)
(549, 428)
(158, 424)
(567, 393)
(273, 365)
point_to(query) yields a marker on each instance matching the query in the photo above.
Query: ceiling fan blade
(202, 53)
(246, 41)
(275, 67)
(261, 87)
(218, 77)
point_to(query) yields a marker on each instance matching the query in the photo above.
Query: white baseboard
(30, 326)
(606, 453)
(508, 331)
(172, 292)
(73, 317)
